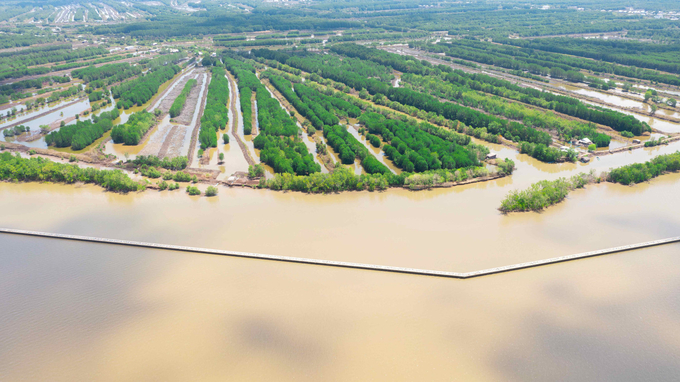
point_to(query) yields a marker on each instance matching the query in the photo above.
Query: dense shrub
(38, 169)
(178, 103)
(543, 194)
(641, 172)
(215, 115)
(141, 89)
(82, 133)
(132, 131)
(176, 163)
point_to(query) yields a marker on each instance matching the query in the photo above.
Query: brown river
(82, 311)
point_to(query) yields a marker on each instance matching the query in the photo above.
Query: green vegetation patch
(36, 169)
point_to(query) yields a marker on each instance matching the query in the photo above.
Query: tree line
(46, 55)
(132, 131)
(509, 129)
(562, 104)
(83, 133)
(18, 90)
(565, 129)
(547, 193)
(632, 53)
(215, 114)
(278, 141)
(415, 150)
(322, 111)
(485, 83)
(176, 163)
(247, 84)
(178, 103)
(540, 62)
(37, 169)
(138, 91)
(105, 75)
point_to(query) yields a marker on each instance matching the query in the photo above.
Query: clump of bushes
(655, 142)
(342, 179)
(256, 171)
(163, 185)
(374, 140)
(176, 163)
(182, 176)
(211, 191)
(193, 191)
(150, 172)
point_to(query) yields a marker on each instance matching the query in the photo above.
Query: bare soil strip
(234, 121)
(166, 140)
(160, 95)
(192, 99)
(171, 94)
(196, 127)
(163, 152)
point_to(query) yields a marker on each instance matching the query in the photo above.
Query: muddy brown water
(83, 311)
(97, 312)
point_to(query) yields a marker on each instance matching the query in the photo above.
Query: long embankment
(343, 264)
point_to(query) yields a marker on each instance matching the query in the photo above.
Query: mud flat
(190, 137)
(166, 89)
(172, 139)
(234, 161)
(165, 103)
(187, 113)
